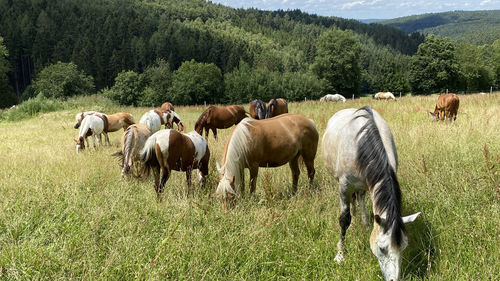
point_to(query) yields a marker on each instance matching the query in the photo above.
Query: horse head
(225, 189)
(386, 247)
(80, 144)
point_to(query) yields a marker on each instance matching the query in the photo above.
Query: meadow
(68, 216)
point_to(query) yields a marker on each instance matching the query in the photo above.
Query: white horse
(91, 125)
(359, 150)
(153, 119)
(384, 96)
(335, 97)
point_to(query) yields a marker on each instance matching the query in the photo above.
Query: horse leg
(254, 171)
(107, 138)
(361, 198)
(188, 180)
(93, 140)
(206, 133)
(310, 170)
(99, 140)
(294, 166)
(214, 130)
(344, 218)
(156, 175)
(164, 177)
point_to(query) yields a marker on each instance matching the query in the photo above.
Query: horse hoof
(339, 258)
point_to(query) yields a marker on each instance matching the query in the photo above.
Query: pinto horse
(155, 118)
(112, 123)
(276, 107)
(359, 151)
(166, 106)
(91, 125)
(446, 107)
(215, 117)
(168, 150)
(132, 141)
(335, 97)
(257, 109)
(266, 143)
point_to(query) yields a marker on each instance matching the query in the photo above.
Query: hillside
(479, 27)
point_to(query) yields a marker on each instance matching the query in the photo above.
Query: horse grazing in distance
(112, 122)
(168, 150)
(257, 109)
(276, 107)
(266, 143)
(155, 118)
(335, 97)
(166, 106)
(359, 150)
(446, 107)
(215, 117)
(132, 141)
(384, 96)
(91, 125)
(172, 117)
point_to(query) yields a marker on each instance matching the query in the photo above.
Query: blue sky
(365, 9)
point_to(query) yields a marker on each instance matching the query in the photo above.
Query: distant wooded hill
(477, 27)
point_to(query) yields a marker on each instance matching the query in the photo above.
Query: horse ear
(380, 221)
(411, 218)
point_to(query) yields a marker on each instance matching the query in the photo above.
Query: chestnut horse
(446, 106)
(257, 109)
(359, 150)
(91, 125)
(215, 117)
(166, 106)
(276, 107)
(168, 150)
(113, 122)
(132, 141)
(384, 96)
(266, 143)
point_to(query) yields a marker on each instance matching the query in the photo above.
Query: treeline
(188, 52)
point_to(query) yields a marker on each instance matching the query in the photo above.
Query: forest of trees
(190, 52)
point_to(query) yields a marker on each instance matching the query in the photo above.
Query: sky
(365, 9)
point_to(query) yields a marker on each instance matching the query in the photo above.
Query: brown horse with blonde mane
(446, 107)
(112, 122)
(215, 117)
(266, 143)
(168, 150)
(276, 107)
(166, 106)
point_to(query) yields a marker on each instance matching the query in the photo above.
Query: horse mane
(235, 152)
(374, 165)
(203, 118)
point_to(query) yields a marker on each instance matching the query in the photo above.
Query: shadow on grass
(421, 254)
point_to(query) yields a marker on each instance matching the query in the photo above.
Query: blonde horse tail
(129, 149)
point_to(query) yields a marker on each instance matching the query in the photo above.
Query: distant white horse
(155, 118)
(384, 96)
(359, 150)
(335, 97)
(91, 125)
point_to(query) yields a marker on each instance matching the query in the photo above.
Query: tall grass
(68, 216)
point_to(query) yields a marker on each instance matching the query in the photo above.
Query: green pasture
(68, 216)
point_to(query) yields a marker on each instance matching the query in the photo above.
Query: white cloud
(485, 2)
(349, 5)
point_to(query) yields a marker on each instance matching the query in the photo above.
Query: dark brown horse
(276, 107)
(257, 109)
(215, 117)
(167, 106)
(168, 150)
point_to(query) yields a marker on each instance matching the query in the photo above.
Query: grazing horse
(257, 109)
(133, 140)
(155, 118)
(276, 107)
(384, 96)
(166, 106)
(91, 125)
(446, 106)
(215, 117)
(266, 143)
(168, 150)
(112, 123)
(335, 97)
(359, 151)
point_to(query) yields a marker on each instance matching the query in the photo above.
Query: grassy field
(68, 216)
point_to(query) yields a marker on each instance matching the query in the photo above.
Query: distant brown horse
(168, 150)
(276, 107)
(167, 106)
(257, 109)
(446, 106)
(266, 143)
(112, 123)
(215, 117)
